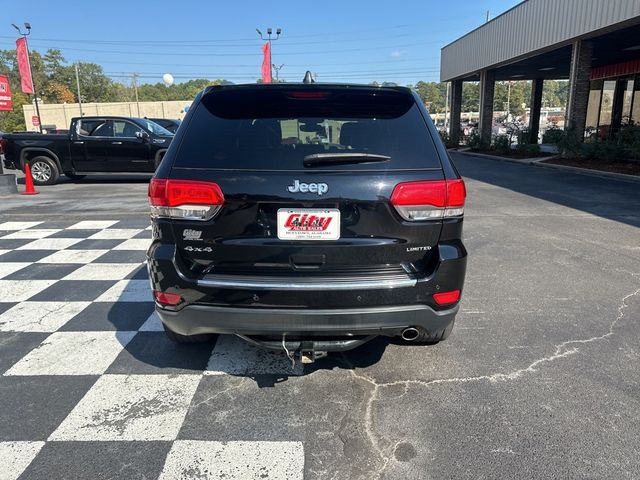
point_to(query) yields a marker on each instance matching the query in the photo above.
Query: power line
(191, 54)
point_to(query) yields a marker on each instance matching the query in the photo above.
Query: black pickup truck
(94, 145)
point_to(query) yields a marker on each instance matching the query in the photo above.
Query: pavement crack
(562, 350)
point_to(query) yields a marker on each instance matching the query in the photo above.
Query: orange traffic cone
(28, 181)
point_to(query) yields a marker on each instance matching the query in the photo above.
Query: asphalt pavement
(539, 379)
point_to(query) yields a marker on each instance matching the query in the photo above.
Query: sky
(339, 40)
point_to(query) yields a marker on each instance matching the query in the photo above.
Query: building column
(579, 83)
(456, 109)
(535, 106)
(487, 86)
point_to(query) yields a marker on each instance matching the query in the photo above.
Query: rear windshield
(276, 129)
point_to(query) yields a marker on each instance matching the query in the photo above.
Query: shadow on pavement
(609, 198)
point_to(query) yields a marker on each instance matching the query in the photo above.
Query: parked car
(317, 245)
(93, 145)
(170, 124)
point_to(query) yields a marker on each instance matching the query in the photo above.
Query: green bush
(607, 150)
(570, 142)
(528, 149)
(501, 144)
(552, 135)
(476, 142)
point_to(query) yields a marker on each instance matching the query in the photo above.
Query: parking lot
(539, 378)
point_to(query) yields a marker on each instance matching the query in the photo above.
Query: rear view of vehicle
(310, 216)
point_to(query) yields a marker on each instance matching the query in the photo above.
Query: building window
(635, 107)
(627, 99)
(593, 109)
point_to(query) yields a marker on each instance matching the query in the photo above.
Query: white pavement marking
(234, 356)
(32, 233)
(130, 407)
(102, 271)
(234, 460)
(2, 252)
(50, 244)
(115, 234)
(9, 267)
(73, 256)
(17, 225)
(39, 316)
(128, 291)
(134, 244)
(15, 457)
(19, 290)
(152, 324)
(92, 224)
(73, 353)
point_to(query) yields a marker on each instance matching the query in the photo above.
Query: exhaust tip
(409, 334)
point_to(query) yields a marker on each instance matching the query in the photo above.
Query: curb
(591, 173)
(537, 162)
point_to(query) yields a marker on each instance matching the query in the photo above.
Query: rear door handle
(116, 143)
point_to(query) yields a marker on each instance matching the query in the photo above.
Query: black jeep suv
(313, 216)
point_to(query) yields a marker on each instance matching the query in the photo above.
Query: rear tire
(431, 338)
(177, 338)
(44, 171)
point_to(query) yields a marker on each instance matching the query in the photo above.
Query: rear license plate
(309, 224)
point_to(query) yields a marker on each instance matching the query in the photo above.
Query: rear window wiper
(343, 158)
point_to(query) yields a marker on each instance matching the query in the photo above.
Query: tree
(59, 93)
(433, 94)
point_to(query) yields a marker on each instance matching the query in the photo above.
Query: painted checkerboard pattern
(90, 384)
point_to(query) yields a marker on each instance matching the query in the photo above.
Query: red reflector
(445, 298)
(165, 298)
(438, 193)
(307, 95)
(172, 193)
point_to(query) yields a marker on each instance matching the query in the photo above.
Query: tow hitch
(308, 350)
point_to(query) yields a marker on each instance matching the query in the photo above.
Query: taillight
(3, 144)
(446, 298)
(185, 199)
(429, 199)
(169, 299)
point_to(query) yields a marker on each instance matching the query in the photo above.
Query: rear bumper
(389, 320)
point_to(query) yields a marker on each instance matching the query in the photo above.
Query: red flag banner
(23, 65)
(5, 94)
(266, 63)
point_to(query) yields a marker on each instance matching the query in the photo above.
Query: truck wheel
(177, 338)
(44, 171)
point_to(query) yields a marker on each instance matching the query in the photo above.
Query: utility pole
(269, 39)
(277, 68)
(135, 89)
(78, 85)
(27, 26)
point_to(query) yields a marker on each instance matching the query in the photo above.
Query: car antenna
(308, 78)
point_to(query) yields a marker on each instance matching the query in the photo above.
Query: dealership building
(595, 44)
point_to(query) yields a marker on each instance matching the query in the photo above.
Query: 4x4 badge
(298, 186)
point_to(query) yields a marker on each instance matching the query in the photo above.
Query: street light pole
(269, 39)
(135, 89)
(27, 26)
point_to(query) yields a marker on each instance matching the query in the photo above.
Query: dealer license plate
(309, 224)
